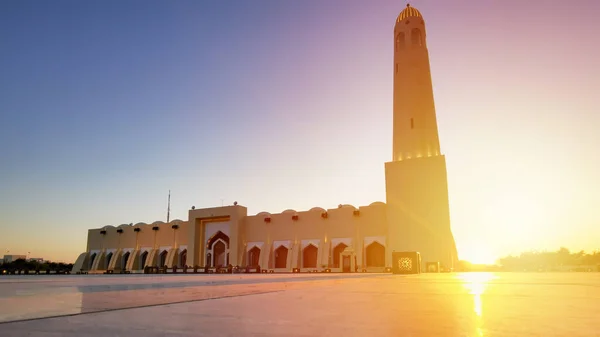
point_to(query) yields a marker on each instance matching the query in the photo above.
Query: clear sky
(105, 106)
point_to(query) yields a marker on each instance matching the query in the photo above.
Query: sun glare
(477, 254)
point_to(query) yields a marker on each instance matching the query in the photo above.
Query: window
(396, 68)
(416, 37)
(400, 41)
(412, 123)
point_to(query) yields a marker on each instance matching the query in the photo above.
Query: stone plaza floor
(459, 304)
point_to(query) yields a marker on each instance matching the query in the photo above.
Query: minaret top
(409, 12)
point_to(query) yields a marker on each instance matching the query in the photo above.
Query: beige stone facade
(310, 240)
(416, 216)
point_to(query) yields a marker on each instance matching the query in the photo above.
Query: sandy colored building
(416, 216)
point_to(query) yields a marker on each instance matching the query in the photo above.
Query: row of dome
(287, 211)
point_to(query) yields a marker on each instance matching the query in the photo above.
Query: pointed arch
(254, 256)
(416, 37)
(218, 235)
(92, 258)
(281, 254)
(337, 250)
(309, 256)
(143, 259)
(375, 255)
(400, 41)
(108, 258)
(163, 258)
(217, 250)
(124, 260)
(183, 258)
(219, 253)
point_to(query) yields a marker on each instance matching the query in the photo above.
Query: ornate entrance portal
(217, 254)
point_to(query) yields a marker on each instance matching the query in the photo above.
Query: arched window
(400, 41)
(416, 37)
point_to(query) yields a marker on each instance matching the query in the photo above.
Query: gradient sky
(105, 106)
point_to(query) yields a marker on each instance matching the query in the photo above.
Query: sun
(477, 254)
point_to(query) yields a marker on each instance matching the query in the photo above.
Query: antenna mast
(169, 207)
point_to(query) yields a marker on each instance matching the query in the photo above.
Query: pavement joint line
(136, 307)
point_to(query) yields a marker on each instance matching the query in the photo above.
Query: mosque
(415, 218)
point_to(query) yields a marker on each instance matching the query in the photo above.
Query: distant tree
(534, 260)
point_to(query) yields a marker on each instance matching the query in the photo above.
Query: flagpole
(169, 207)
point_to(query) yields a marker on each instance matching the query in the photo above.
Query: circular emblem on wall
(405, 263)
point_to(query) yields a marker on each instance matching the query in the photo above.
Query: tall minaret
(418, 212)
(415, 125)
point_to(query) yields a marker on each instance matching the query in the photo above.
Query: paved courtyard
(469, 304)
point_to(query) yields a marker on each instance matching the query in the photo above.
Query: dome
(409, 12)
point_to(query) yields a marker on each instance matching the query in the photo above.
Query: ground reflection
(476, 284)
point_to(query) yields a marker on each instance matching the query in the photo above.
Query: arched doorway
(375, 255)
(108, 258)
(217, 253)
(309, 256)
(254, 256)
(163, 258)
(281, 257)
(92, 258)
(183, 258)
(124, 261)
(336, 254)
(143, 258)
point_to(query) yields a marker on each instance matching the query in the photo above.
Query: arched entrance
(375, 255)
(163, 258)
(309, 256)
(92, 258)
(254, 256)
(124, 260)
(143, 258)
(183, 258)
(281, 257)
(336, 254)
(217, 253)
(108, 258)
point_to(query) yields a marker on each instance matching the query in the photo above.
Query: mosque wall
(323, 228)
